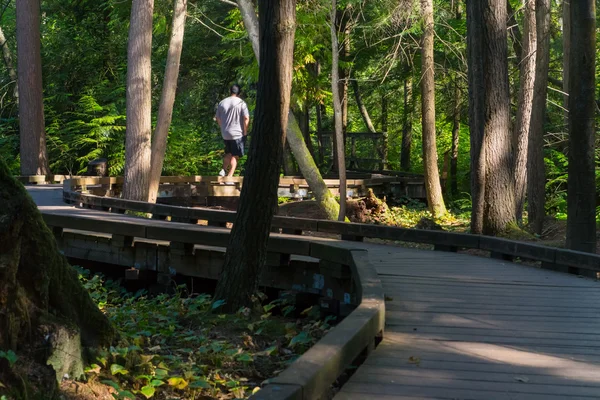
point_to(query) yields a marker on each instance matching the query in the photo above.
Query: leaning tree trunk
(435, 200)
(247, 248)
(12, 73)
(581, 185)
(34, 158)
(165, 108)
(338, 112)
(525, 105)
(536, 180)
(139, 102)
(492, 183)
(306, 163)
(43, 306)
(407, 126)
(361, 107)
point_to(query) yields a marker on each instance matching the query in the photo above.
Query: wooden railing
(551, 258)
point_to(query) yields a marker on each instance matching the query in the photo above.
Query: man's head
(235, 89)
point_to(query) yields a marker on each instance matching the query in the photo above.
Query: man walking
(233, 119)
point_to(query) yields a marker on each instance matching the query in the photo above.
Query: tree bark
(525, 105)
(165, 108)
(433, 188)
(40, 294)
(407, 126)
(384, 113)
(344, 24)
(247, 249)
(306, 163)
(455, 141)
(338, 112)
(139, 103)
(361, 107)
(34, 158)
(12, 73)
(492, 183)
(581, 184)
(536, 180)
(289, 168)
(251, 24)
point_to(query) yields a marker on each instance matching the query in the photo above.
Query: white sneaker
(222, 173)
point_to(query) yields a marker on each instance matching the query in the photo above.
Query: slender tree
(362, 108)
(12, 73)
(536, 180)
(139, 102)
(525, 104)
(581, 184)
(165, 108)
(295, 137)
(34, 158)
(247, 248)
(492, 183)
(566, 35)
(455, 140)
(337, 111)
(407, 125)
(433, 187)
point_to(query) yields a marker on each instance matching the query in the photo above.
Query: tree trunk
(307, 165)
(12, 74)
(525, 105)
(384, 113)
(34, 158)
(407, 126)
(247, 249)
(536, 180)
(251, 24)
(433, 188)
(139, 103)
(492, 183)
(165, 108)
(337, 112)
(455, 141)
(361, 107)
(581, 185)
(515, 32)
(289, 168)
(344, 23)
(566, 31)
(40, 294)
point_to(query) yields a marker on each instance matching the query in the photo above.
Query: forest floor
(177, 345)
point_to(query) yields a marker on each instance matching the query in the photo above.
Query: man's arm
(246, 122)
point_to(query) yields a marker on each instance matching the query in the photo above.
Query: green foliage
(176, 345)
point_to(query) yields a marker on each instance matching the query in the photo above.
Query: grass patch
(179, 347)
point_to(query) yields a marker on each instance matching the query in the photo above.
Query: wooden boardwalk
(465, 327)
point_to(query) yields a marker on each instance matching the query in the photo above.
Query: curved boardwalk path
(465, 327)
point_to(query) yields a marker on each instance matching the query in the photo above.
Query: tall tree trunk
(247, 249)
(361, 107)
(12, 73)
(581, 185)
(455, 141)
(407, 126)
(307, 165)
(536, 180)
(139, 102)
(525, 105)
(515, 32)
(566, 31)
(42, 301)
(165, 109)
(492, 183)
(337, 111)
(34, 158)
(384, 113)
(289, 168)
(318, 114)
(344, 23)
(251, 24)
(435, 199)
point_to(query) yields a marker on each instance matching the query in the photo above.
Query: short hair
(235, 89)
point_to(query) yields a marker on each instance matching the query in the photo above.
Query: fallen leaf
(522, 379)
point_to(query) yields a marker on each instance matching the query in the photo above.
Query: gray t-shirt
(232, 111)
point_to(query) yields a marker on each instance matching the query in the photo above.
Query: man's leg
(226, 162)
(233, 162)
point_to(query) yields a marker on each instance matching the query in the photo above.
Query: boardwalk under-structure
(465, 327)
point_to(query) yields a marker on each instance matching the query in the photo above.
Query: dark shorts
(235, 147)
